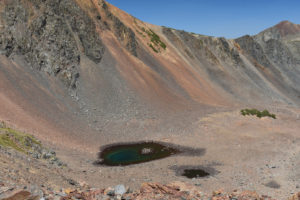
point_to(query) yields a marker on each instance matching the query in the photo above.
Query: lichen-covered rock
(25, 143)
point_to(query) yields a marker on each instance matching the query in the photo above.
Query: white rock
(120, 190)
(146, 150)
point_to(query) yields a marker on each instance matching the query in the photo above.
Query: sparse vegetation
(163, 45)
(143, 29)
(139, 32)
(153, 48)
(259, 114)
(156, 39)
(27, 144)
(19, 141)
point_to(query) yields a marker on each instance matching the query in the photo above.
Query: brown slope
(288, 28)
(103, 57)
(35, 104)
(170, 62)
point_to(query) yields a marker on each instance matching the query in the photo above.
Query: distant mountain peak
(284, 22)
(287, 28)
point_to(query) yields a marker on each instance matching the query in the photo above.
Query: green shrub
(163, 45)
(259, 114)
(139, 32)
(153, 48)
(154, 38)
(265, 113)
(273, 116)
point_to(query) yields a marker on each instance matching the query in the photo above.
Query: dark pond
(135, 153)
(273, 184)
(194, 173)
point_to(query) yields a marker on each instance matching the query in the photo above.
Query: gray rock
(5, 189)
(49, 42)
(120, 190)
(46, 155)
(72, 182)
(61, 194)
(110, 193)
(146, 150)
(36, 155)
(124, 34)
(36, 191)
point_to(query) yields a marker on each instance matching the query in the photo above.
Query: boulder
(120, 190)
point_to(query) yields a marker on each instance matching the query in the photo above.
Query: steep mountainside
(73, 66)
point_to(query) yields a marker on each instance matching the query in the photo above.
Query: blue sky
(227, 18)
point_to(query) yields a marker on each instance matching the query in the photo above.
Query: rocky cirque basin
(82, 74)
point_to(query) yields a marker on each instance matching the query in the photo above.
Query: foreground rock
(153, 191)
(295, 197)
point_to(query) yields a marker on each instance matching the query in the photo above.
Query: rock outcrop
(50, 34)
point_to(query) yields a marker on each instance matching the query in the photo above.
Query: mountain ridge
(138, 67)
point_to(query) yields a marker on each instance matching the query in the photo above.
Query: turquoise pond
(128, 154)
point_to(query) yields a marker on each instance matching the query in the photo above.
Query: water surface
(135, 153)
(194, 173)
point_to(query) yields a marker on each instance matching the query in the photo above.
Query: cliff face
(92, 63)
(50, 35)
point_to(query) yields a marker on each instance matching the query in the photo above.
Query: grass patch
(19, 141)
(27, 144)
(259, 114)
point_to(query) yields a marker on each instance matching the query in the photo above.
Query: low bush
(259, 114)
(156, 43)
(156, 39)
(153, 48)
